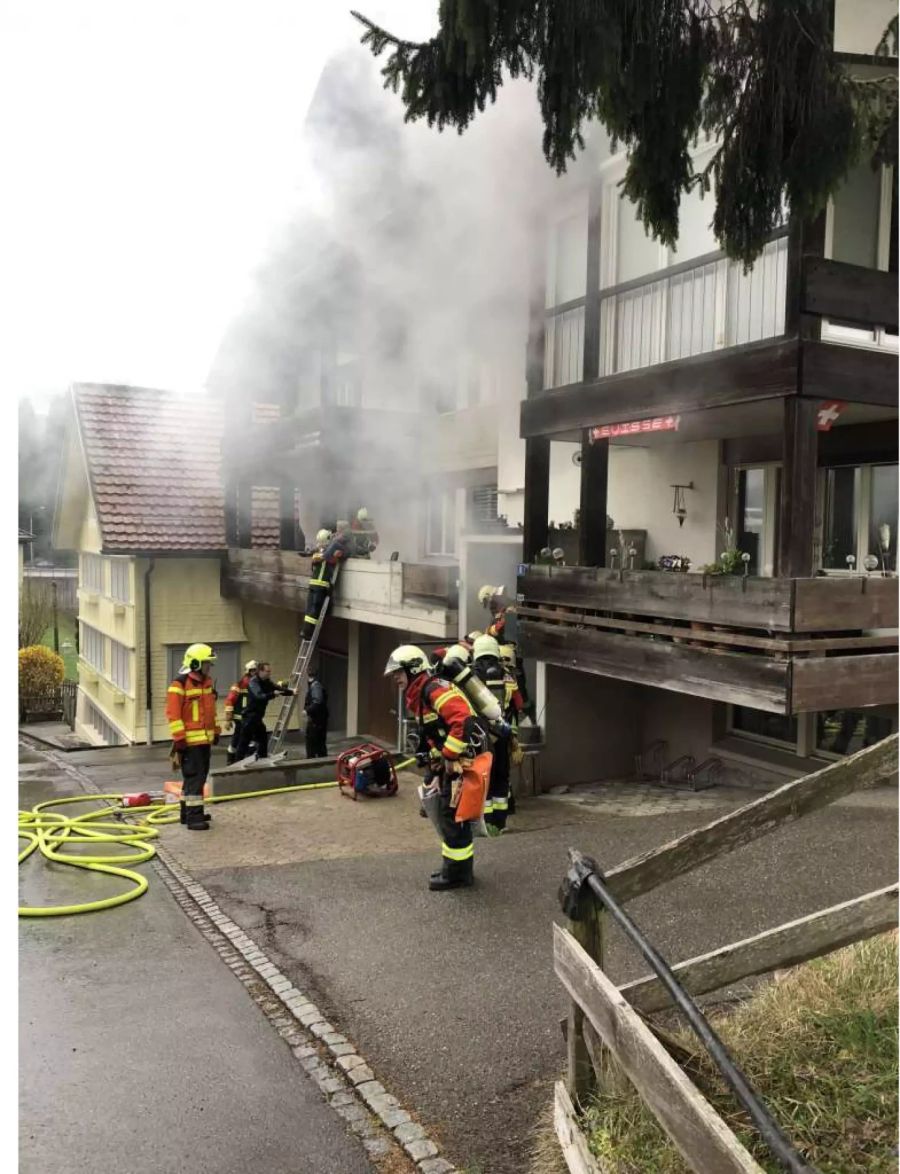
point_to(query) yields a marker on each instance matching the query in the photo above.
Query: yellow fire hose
(50, 832)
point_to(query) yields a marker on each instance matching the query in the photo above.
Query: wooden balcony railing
(782, 645)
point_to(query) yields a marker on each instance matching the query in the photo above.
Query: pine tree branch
(385, 38)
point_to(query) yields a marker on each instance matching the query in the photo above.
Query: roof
(155, 468)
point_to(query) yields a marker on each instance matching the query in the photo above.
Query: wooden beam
(701, 1136)
(743, 374)
(838, 603)
(851, 373)
(755, 681)
(797, 509)
(582, 1065)
(843, 682)
(715, 599)
(591, 359)
(573, 1143)
(287, 538)
(641, 874)
(592, 506)
(244, 513)
(537, 497)
(850, 293)
(231, 512)
(534, 353)
(787, 945)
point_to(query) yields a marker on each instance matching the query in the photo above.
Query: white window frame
(863, 518)
(446, 546)
(93, 573)
(770, 469)
(120, 665)
(857, 335)
(93, 643)
(120, 580)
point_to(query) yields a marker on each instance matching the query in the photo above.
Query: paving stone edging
(343, 1076)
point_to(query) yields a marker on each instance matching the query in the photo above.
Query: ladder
(298, 675)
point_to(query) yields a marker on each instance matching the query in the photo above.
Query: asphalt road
(140, 1052)
(452, 997)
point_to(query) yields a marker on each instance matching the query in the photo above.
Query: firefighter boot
(456, 874)
(196, 820)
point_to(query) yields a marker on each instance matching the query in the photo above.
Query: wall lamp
(679, 509)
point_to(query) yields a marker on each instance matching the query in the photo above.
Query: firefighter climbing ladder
(298, 675)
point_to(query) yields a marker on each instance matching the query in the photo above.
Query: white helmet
(251, 665)
(487, 593)
(457, 652)
(323, 537)
(486, 646)
(362, 515)
(409, 658)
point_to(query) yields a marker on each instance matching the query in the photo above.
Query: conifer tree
(759, 78)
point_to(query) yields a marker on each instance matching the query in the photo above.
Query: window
(844, 731)
(858, 517)
(120, 579)
(754, 505)
(567, 259)
(483, 506)
(92, 572)
(103, 727)
(861, 229)
(120, 665)
(768, 727)
(440, 524)
(92, 646)
(227, 669)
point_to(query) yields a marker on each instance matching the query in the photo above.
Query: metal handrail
(658, 275)
(586, 871)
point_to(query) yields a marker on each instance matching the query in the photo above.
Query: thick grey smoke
(402, 282)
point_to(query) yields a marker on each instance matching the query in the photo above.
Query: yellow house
(140, 499)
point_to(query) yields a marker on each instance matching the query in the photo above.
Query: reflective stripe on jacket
(191, 709)
(236, 699)
(445, 713)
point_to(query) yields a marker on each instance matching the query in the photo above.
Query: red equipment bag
(366, 770)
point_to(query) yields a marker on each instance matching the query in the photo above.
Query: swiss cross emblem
(828, 413)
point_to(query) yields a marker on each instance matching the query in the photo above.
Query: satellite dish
(576, 457)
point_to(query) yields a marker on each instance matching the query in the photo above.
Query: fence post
(588, 931)
(54, 591)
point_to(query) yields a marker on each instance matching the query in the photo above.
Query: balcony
(782, 645)
(418, 597)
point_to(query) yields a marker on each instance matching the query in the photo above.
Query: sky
(151, 149)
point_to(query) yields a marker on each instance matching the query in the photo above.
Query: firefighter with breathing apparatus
(503, 627)
(234, 710)
(191, 714)
(501, 684)
(331, 550)
(451, 738)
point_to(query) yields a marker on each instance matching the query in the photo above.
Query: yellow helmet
(487, 593)
(508, 654)
(409, 658)
(323, 537)
(474, 634)
(362, 515)
(196, 655)
(457, 652)
(251, 665)
(486, 646)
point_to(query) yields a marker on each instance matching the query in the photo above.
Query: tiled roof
(265, 517)
(155, 466)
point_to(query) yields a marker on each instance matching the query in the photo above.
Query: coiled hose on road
(50, 832)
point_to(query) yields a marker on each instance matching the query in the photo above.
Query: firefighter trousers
(496, 809)
(457, 847)
(194, 772)
(318, 593)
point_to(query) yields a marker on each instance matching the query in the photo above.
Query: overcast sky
(150, 147)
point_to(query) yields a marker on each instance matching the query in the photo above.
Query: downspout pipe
(147, 658)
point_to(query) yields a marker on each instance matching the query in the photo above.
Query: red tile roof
(155, 465)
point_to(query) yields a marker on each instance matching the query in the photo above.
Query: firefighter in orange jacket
(449, 726)
(191, 714)
(235, 702)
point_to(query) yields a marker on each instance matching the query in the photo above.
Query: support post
(244, 510)
(231, 513)
(797, 509)
(287, 539)
(592, 507)
(537, 496)
(588, 932)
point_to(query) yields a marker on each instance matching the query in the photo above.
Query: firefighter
(234, 710)
(191, 714)
(316, 708)
(332, 549)
(502, 684)
(260, 691)
(503, 628)
(450, 729)
(365, 536)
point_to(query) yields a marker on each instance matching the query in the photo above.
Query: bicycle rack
(677, 773)
(648, 763)
(709, 773)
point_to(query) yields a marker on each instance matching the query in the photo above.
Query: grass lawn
(821, 1048)
(66, 644)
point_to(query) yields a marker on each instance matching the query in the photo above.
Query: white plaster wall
(640, 497)
(565, 485)
(858, 24)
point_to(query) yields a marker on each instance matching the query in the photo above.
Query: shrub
(40, 670)
(35, 613)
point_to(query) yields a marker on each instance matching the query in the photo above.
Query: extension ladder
(298, 676)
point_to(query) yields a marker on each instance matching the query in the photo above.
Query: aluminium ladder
(298, 677)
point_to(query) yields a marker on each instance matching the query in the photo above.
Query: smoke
(402, 282)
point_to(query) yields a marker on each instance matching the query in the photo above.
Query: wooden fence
(605, 1023)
